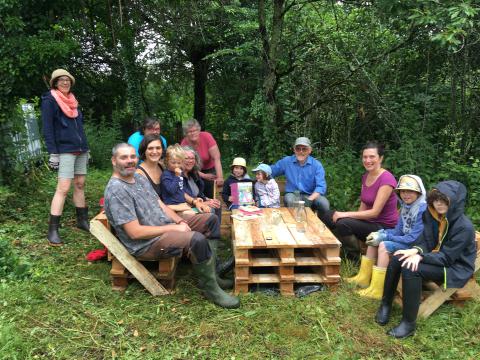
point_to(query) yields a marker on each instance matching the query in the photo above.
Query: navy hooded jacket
(62, 134)
(457, 251)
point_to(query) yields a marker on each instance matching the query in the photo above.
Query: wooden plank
(135, 267)
(286, 289)
(433, 302)
(286, 273)
(243, 238)
(256, 234)
(318, 231)
(286, 256)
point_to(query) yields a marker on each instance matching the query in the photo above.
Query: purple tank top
(389, 214)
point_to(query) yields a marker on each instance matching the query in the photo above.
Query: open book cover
(242, 193)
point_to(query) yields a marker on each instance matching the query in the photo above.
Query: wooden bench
(434, 295)
(226, 225)
(158, 277)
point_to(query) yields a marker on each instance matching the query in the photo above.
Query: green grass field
(67, 310)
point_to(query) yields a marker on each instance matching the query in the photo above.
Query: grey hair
(189, 124)
(198, 160)
(120, 146)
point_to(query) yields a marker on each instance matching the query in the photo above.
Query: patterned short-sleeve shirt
(126, 202)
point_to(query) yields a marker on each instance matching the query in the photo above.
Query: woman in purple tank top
(378, 203)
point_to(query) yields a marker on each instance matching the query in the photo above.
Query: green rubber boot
(206, 273)
(223, 283)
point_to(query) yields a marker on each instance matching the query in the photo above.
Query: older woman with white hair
(206, 146)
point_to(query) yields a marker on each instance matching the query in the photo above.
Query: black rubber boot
(389, 289)
(411, 294)
(223, 283)
(206, 274)
(53, 237)
(224, 267)
(82, 218)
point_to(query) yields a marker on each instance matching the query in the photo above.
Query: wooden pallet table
(268, 253)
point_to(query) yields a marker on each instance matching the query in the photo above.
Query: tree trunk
(200, 74)
(271, 46)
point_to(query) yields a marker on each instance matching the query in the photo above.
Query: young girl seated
(239, 175)
(171, 182)
(383, 243)
(267, 194)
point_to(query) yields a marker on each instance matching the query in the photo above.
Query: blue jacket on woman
(62, 134)
(457, 250)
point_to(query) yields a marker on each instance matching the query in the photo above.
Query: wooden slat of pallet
(319, 233)
(118, 250)
(243, 239)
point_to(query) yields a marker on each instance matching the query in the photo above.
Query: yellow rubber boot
(364, 275)
(375, 290)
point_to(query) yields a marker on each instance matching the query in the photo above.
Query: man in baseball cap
(305, 177)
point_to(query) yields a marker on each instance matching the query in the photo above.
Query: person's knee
(199, 247)
(409, 274)
(63, 187)
(79, 184)
(321, 204)
(381, 248)
(289, 199)
(213, 225)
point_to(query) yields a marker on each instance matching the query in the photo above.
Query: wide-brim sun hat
(239, 161)
(408, 183)
(265, 168)
(61, 72)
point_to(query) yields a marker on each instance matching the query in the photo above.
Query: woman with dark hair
(206, 146)
(445, 252)
(149, 127)
(378, 206)
(151, 152)
(68, 150)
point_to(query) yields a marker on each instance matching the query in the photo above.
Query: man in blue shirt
(150, 126)
(305, 175)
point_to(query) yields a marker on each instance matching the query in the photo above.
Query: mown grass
(67, 310)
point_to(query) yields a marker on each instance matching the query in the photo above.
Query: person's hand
(405, 254)
(412, 262)
(54, 161)
(203, 207)
(219, 181)
(230, 198)
(209, 177)
(178, 171)
(375, 238)
(337, 215)
(213, 203)
(182, 227)
(313, 196)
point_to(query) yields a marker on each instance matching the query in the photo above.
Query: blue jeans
(393, 246)
(320, 204)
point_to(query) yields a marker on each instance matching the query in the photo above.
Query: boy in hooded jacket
(383, 243)
(445, 252)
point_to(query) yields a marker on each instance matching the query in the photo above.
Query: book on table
(242, 193)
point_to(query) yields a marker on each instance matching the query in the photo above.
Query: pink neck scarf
(68, 103)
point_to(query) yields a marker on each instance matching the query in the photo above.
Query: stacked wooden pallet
(281, 256)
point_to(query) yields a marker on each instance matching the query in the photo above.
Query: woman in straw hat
(68, 150)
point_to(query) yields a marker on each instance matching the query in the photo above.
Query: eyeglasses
(64, 79)
(193, 131)
(190, 158)
(301, 148)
